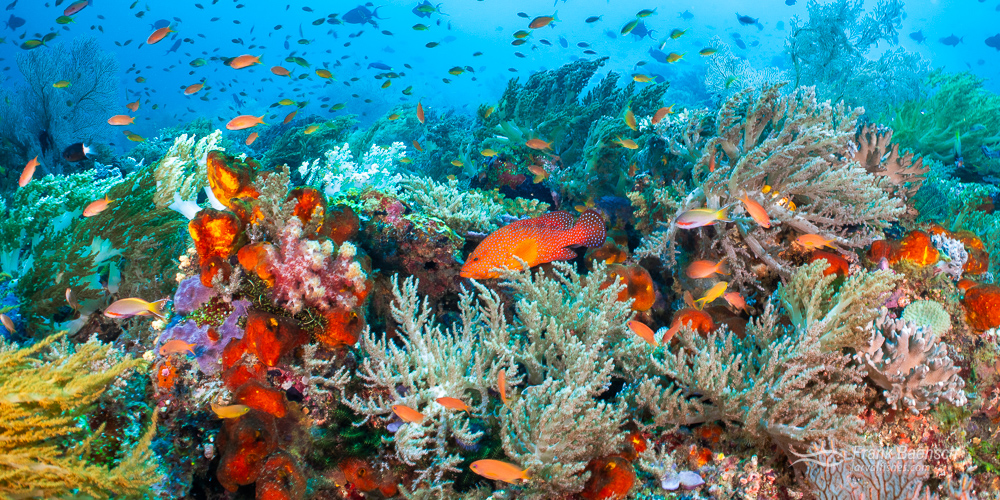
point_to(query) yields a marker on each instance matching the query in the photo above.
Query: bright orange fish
(176, 345)
(502, 385)
(245, 121)
(9, 324)
(736, 300)
(756, 211)
(244, 61)
(407, 414)
(501, 471)
(252, 137)
(538, 144)
(535, 241)
(133, 106)
(289, 117)
(453, 403)
(158, 35)
(643, 331)
(704, 268)
(662, 113)
(95, 207)
(28, 172)
(811, 241)
(420, 113)
(278, 70)
(192, 89)
(541, 21)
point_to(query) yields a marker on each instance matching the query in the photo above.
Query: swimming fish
(175, 346)
(28, 172)
(488, 152)
(77, 7)
(420, 113)
(158, 35)
(310, 129)
(542, 21)
(756, 211)
(95, 207)
(812, 241)
(230, 411)
(61, 84)
(643, 331)
(77, 152)
(707, 51)
(630, 119)
(626, 143)
(736, 300)
(9, 323)
(674, 57)
(244, 61)
(535, 241)
(661, 114)
(699, 217)
(280, 71)
(538, 144)
(500, 471)
(700, 269)
(193, 89)
(539, 172)
(121, 120)
(288, 117)
(245, 121)
(502, 386)
(133, 106)
(677, 33)
(126, 308)
(713, 293)
(453, 403)
(407, 414)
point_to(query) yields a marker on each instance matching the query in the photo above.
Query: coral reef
(911, 366)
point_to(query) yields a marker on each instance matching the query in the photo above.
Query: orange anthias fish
(245, 121)
(407, 414)
(502, 386)
(252, 137)
(9, 324)
(538, 144)
(698, 217)
(756, 211)
(736, 300)
(28, 172)
(535, 241)
(126, 308)
(643, 331)
(501, 471)
(193, 89)
(420, 113)
(418, 146)
(95, 207)
(812, 241)
(289, 117)
(541, 21)
(662, 113)
(278, 70)
(133, 106)
(158, 35)
(244, 61)
(230, 411)
(176, 345)
(121, 120)
(704, 268)
(453, 403)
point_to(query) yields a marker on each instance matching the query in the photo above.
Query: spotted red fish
(535, 241)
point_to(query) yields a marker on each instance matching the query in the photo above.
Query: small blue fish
(380, 66)
(918, 36)
(951, 41)
(15, 22)
(641, 31)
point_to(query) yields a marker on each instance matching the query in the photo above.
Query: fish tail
(589, 230)
(718, 267)
(156, 308)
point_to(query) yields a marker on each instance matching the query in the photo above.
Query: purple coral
(191, 295)
(312, 273)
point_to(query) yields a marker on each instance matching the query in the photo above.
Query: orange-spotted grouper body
(535, 241)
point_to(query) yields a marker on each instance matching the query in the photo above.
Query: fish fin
(554, 220)
(718, 267)
(526, 250)
(564, 254)
(156, 308)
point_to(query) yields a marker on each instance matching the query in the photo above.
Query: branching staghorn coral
(44, 388)
(728, 74)
(72, 114)
(787, 384)
(465, 210)
(433, 362)
(795, 146)
(182, 172)
(879, 157)
(340, 171)
(911, 366)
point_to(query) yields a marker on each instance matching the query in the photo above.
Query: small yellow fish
(405, 160)
(458, 163)
(630, 119)
(674, 57)
(641, 78)
(135, 137)
(707, 51)
(626, 143)
(676, 33)
(713, 293)
(487, 113)
(386, 84)
(230, 411)
(488, 152)
(286, 102)
(539, 172)
(61, 84)
(310, 129)
(324, 73)
(393, 117)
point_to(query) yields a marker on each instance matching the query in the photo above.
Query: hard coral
(982, 307)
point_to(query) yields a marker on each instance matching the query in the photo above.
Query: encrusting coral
(44, 389)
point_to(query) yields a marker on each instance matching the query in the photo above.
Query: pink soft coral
(315, 273)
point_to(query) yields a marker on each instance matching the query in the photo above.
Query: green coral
(465, 210)
(293, 146)
(956, 115)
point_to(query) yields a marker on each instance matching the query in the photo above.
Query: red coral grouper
(535, 241)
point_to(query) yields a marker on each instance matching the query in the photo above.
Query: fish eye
(361, 473)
